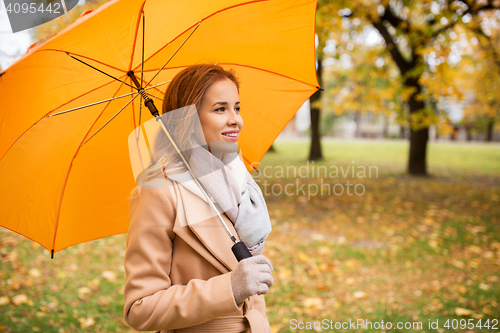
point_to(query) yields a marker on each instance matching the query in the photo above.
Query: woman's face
(220, 113)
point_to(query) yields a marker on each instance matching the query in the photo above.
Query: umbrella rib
(140, 115)
(45, 115)
(83, 62)
(107, 122)
(66, 181)
(158, 91)
(82, 56)
(275, 73)
(136, 32)
(199, 22)
(103, 101)
(142, 68)
(207, 17)
(143, 37)
(253, 67)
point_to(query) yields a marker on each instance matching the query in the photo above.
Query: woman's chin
(224, 146)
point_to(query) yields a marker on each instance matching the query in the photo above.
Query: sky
(12, 46)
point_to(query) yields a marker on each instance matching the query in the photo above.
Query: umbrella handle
(241, 251)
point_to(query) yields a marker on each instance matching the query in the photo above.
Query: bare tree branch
(402, 64)
(470, 10)
(394, 20)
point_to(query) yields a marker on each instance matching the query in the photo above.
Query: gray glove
(251, 276)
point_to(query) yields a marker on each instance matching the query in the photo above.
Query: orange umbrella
(67, 175)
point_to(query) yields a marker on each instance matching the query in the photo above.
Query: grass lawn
(389, 247)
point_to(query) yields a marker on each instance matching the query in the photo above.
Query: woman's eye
(219, 109)
(237, 109)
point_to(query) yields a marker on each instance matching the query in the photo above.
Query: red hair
(185, 89)
(189, 85)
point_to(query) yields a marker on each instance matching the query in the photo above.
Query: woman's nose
(232, 118)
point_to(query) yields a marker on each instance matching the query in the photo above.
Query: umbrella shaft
(152, 108)
(159, 120)
(147, 101)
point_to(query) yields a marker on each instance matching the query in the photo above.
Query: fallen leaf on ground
(86, 322)
(20, 299)
(313, 302)
(484, 286)
(35, 272)
(463, 312)
(458, 264)
(359, 294)
(109, 275)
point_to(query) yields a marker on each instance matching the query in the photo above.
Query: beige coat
(178, 274)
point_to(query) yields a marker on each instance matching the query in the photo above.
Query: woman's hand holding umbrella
(251, 276)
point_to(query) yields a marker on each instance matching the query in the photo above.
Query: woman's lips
(232, 136)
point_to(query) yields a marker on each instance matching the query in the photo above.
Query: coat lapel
(199, 217)
(202, 230)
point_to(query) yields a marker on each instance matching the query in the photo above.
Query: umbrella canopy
(66, 179)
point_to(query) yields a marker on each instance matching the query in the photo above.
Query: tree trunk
(454, 134)
(469, 134)
(489, 130)
(385, 126)
(402, 132)
(357, 121)
(417, 164)
(315, 152)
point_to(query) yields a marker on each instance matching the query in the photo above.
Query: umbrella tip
(52, 254)
(320, 88)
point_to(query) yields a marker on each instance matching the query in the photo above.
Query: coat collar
(196, 215)
(201, 229)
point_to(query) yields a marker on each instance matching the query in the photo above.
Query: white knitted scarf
(230, 185)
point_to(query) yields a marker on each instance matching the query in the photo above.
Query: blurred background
(407, 121)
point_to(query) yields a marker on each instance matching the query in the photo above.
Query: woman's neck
(219, 149)
(217, 153)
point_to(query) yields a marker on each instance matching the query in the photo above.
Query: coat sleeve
(151, 301)
(259, 304)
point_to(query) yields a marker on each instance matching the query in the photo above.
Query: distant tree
(414, 32)
(322, 24)
(365, 82)
(486, 78)
(315, 152)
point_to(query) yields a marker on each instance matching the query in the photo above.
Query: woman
(181, 275)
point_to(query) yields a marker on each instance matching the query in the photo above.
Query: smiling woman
(219, 112)
(181, 275)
